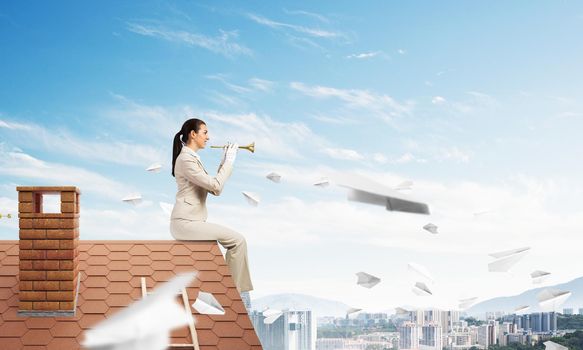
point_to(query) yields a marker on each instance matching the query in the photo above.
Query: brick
(62, 234)
(67, 244)
(24, 305)
(45, 305)
(25, 223)
(25, 265)
(25, 285)
(48, 223)
(32, 296)
(45, 244)
(32, 234)
(45, 285)
(25, 244)
(67, 207)
(69, 223)
(33, 254)
(67, 285)
(61, 296)
(60, 275)
(26, 207)
(68, 196)
(66, 264)
(25, 196)
(68, 254)
(33, 275)
(66, 305)
(45, 265)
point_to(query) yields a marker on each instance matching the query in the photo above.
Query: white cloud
(364, 55)
(380, 105)
(14, 125)
(261, 84)
(313, 32)
(401, 51)
(308, 14)
(335, 120)
(61, 141)
(30, 169)
(343, 153)
(234, 87)
(438, 100)
(224, 44)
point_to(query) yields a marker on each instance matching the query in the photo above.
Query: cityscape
(421, 329)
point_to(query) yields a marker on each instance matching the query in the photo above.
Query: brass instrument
(250, 147)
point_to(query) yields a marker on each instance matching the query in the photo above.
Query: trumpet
(250, 147)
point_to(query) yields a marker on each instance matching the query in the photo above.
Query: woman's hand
(231, 152)
(225, 150)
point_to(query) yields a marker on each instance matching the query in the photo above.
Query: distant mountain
(321, 307)
(509, 304)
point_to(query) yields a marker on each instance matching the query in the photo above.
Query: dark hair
(182, 137)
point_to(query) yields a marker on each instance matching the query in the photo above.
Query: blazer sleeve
(194, 173)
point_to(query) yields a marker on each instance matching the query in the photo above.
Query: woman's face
(201, 137)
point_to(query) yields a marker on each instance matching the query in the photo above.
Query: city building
(568, 311)
(409, 336)
(431, 337)
(293, 330)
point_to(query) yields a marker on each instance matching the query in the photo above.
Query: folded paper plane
(133, 198)
(252, 198)
(366, 280)
(552, 299)
(421, 289)
(206, 304)
(431, 228)
(275, 177)
(364, 190)
(154, 168)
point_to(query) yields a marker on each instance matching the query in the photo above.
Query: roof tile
(37, 337)
(139, 249)
(66, 329)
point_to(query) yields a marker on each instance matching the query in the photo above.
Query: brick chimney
(49, 254)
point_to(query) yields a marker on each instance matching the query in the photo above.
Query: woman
(188, 219)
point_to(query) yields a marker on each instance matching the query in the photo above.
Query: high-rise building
(409, 336)
(431, 337)
(293, 330)
(487, 334)
(568, 311)
(581, 311)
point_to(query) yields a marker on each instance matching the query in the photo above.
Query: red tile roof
(110, 280)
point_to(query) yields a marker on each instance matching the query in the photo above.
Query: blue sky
(479, 104)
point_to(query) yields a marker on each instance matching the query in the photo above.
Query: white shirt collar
(190, 151)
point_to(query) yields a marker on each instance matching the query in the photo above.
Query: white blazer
(194, 184)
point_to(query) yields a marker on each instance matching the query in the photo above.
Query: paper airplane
(275, 177)
(466, 303)
(323, 182)
(421, 289)
(552, 299)
(506, 259)
(167, 208)
(133, 198)
(145, 324)
(405, 185)
(419, 270)
(366, 280)
(364, 190)
(271, 315)
(509, 252)
(550, 345)
(352, 310)
(154, 168)
(252, 198)
(539, 276)
(206, 304)
(431, 228)
(522, 309)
